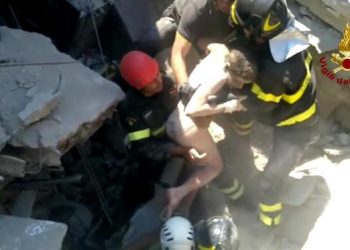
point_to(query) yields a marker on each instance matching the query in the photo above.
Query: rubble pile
(49, 101)
(50, 104)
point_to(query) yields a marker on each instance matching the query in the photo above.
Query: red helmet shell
(138, 69)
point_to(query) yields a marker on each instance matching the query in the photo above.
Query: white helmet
(177, 234)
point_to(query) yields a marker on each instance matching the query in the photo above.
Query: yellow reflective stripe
(200, 247)
(233, 13)
(241, 132)
(242, 125)
(270, 221)
(277, 220)
(300, 117)
(158, 131)
(266, 97)
(182, 37)
(231, 189)
(270, 208)
(296, 96)
(237, 194)
(139, 135)
(265, 219)
(267, 26)
(235, 191)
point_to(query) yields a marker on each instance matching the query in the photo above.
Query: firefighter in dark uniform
(145, 109)
(202, 22)
(143, 113)
(283, 96)
(187, 23)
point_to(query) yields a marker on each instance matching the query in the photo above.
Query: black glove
(215, 100)
(185, 93)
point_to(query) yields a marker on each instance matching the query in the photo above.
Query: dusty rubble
(49, 101)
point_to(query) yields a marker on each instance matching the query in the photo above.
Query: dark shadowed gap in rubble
(77, 204)
(55, 19)
(122, 185)
(68, 27)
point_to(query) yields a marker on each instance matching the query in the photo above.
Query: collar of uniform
(294, 39)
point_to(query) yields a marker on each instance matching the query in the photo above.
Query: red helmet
(138, 69)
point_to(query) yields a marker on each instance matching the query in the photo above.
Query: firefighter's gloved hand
(215, 100)
(230, 106)
(185, 93)
(212, 100)
(234, 105)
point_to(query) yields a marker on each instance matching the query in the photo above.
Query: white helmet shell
(177, 234)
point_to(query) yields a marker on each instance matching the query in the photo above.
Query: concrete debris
(336, 153)
(38, 108)
(335, 127)
(326, 36)
(63, 101)
(3, 138)
(342, 115)
(330, 138)
(303, 11)
(333, 12)
(343, 139)
(329, 231)
(35, 158)
(29, 234)
(12, 166)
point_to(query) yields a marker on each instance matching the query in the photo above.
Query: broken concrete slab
(12, 166)
(3, 138)
(34, 73)
(40, 107)
(29, 234)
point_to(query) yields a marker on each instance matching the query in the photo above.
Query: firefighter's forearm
(179, 69)
(179, 52)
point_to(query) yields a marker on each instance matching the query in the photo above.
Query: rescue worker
(202, 22)
(143, 113)
(187, 23)
(283, 96)
(146, 107)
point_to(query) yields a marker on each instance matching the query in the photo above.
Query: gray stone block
(63, 101)
(28, 234)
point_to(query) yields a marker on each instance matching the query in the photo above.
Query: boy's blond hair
(239, 63)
